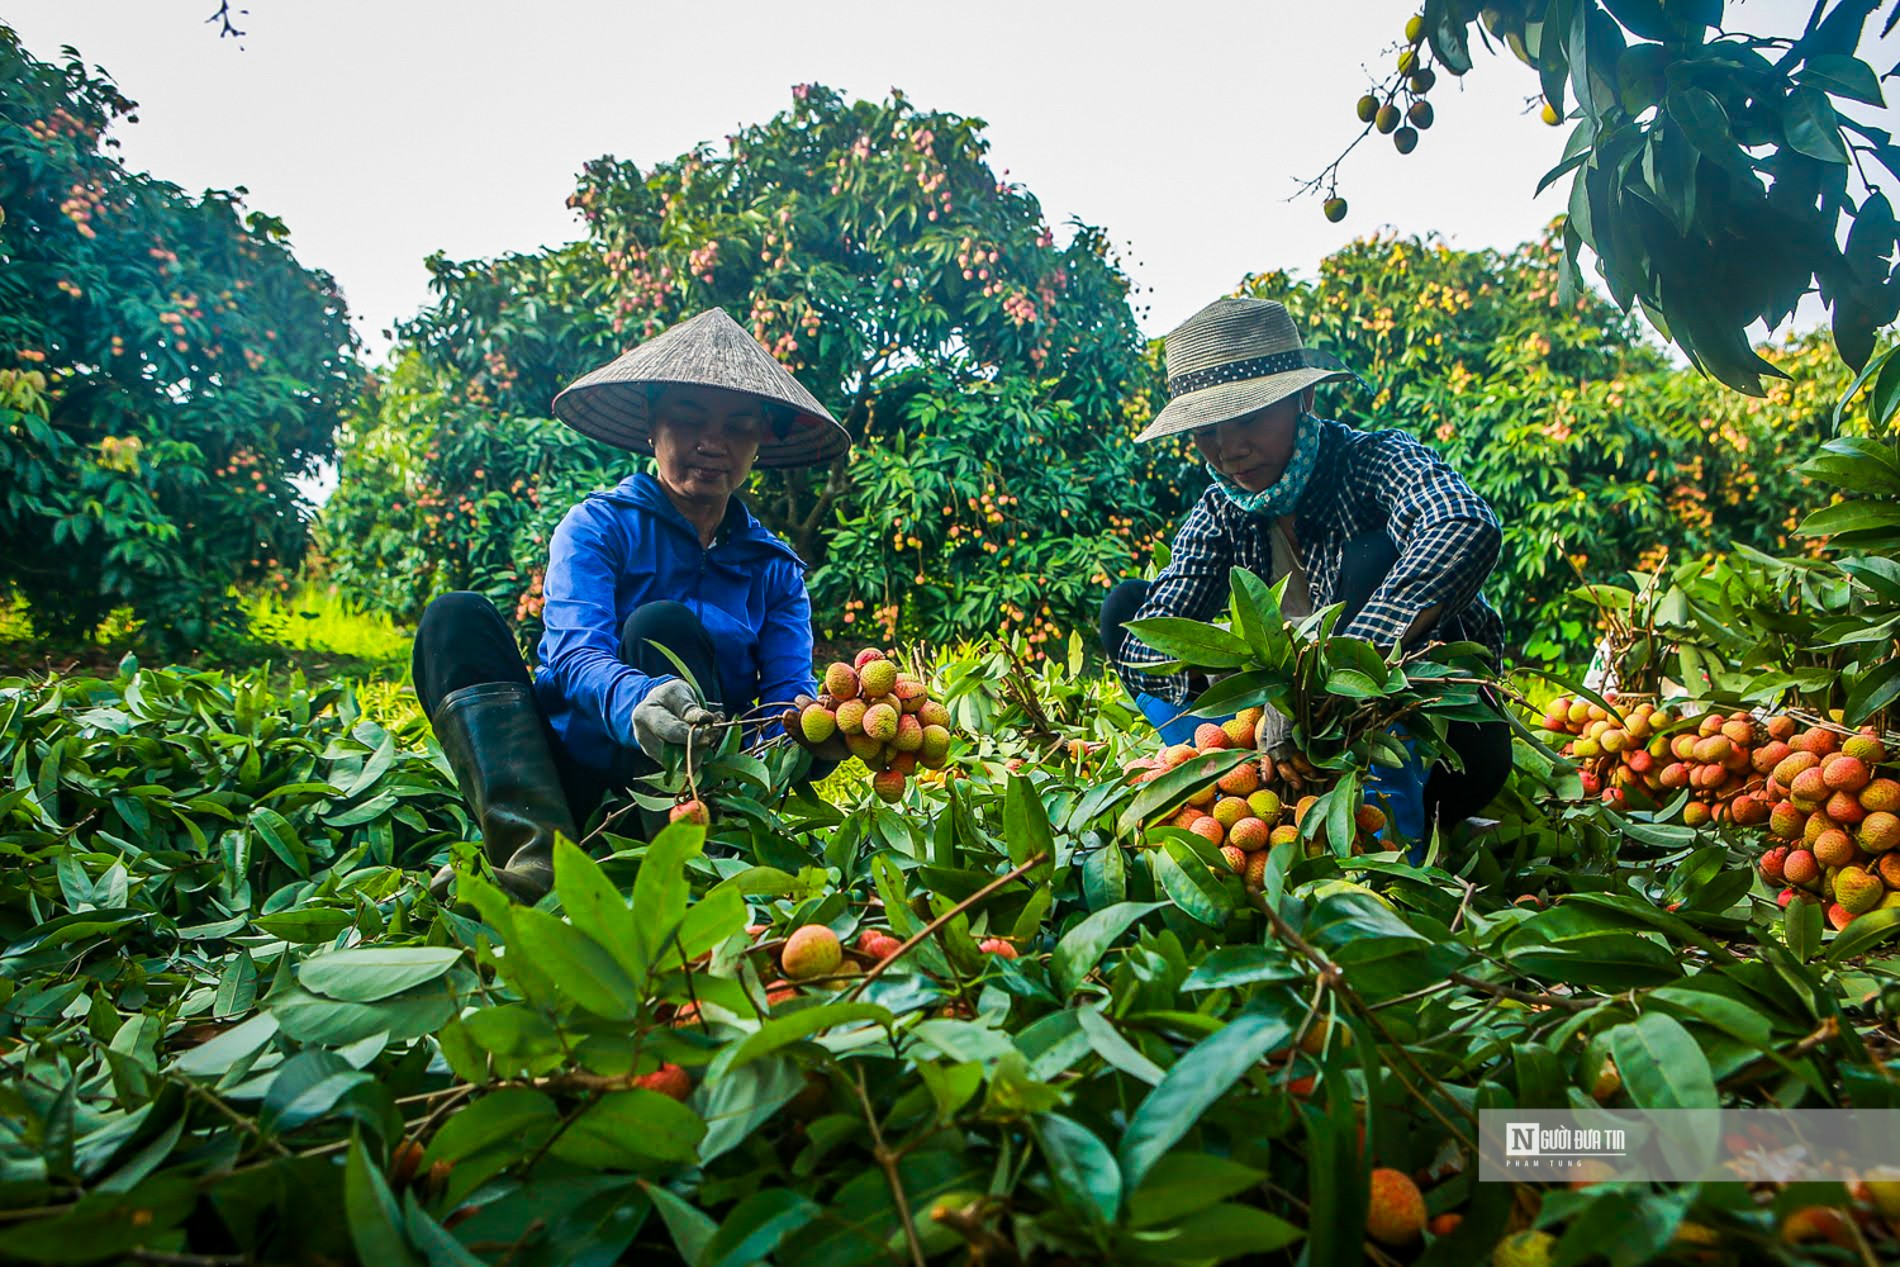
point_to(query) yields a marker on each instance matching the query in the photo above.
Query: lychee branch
(929, 929)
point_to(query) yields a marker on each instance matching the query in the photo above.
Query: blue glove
(1401, 792)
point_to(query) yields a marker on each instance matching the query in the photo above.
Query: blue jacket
(630, 545)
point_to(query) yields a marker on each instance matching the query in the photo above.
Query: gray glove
(672, 714)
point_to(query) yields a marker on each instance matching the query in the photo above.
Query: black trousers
(462, 640)
(1484, 747)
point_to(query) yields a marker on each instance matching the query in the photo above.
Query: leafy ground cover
(236, 1027)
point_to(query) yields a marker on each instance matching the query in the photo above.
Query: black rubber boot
(492, 735)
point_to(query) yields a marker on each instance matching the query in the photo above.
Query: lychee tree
(1711, 170)
(170, 369)
(872, 248)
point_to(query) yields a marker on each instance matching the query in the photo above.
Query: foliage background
(167, 368)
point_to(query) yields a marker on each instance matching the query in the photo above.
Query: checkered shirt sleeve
(1448, 536)
(1193, 585)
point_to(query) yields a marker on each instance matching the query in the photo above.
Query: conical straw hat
(1233, 357)
(709, 350)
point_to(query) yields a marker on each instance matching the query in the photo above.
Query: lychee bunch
(1244, 812)
(872, 710)
(1836, 813)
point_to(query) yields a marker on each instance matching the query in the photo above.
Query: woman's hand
(672, 714)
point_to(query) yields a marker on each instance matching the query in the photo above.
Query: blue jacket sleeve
(785, 639)
(581, 642)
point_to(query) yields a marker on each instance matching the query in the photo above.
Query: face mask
(1283, 495)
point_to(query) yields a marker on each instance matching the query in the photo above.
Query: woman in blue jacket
(670, 560)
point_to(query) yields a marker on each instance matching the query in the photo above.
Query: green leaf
(1082, 1166)
(1228, 966)
(1197, 1080)
(756, 1227)
(692, 1230)
(595, 906)
(306, 925)
(1083, 946)
(1873, 692)
(1662, 1064)
(1026, 830)
(364, 974)
(1177, 784)
(1862, 935)
(1801, 925)
(626, 1129)
(1188, 881)
(803, 1023)
(1182, 1183)
(282, 839)
(512, 1113)
(581, 968)
(1703, 121)
(221, 1054)
(1108, 1043)
(370, 1210)
(1104, 876)
(1850, 516)
(1811, 126)
(1192, 642)
(1230, 1230)
(660, 891)
(1258, 615)
(1842, 76)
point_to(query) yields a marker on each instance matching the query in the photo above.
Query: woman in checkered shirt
(1373, 520)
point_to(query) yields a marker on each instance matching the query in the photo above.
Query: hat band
(1233, 371)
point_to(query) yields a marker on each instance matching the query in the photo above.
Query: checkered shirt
(1446, 535)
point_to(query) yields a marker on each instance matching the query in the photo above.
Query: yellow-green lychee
(850, 716)
(1249, 833)
(1880, 831)
(876, 678)
(1229, 810)
(936, 746)
(1857, 891)
(811, 951)
(1524, 1249)
(910, 734)
(1866, 749)
(880, 722)
(934, 713)
(817, 723)
(1265, 805)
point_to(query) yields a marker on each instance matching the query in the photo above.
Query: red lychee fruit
(889, 785)
(1209, 830)
(879, 946)
(1235, 858)
(1843, 773)
(1771, 865)
(998, 947)
(1800, 867)
(1208, 735)
(1249, 834)
(669, 1080)
(841, 682)
(693, 811)
(865, 657)
(1395, 1213)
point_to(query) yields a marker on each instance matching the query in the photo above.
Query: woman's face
(1254, 449)
(705, 440)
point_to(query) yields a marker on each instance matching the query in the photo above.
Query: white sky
(382, 130)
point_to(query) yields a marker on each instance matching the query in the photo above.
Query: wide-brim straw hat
(709, 350)
(1233, 357)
